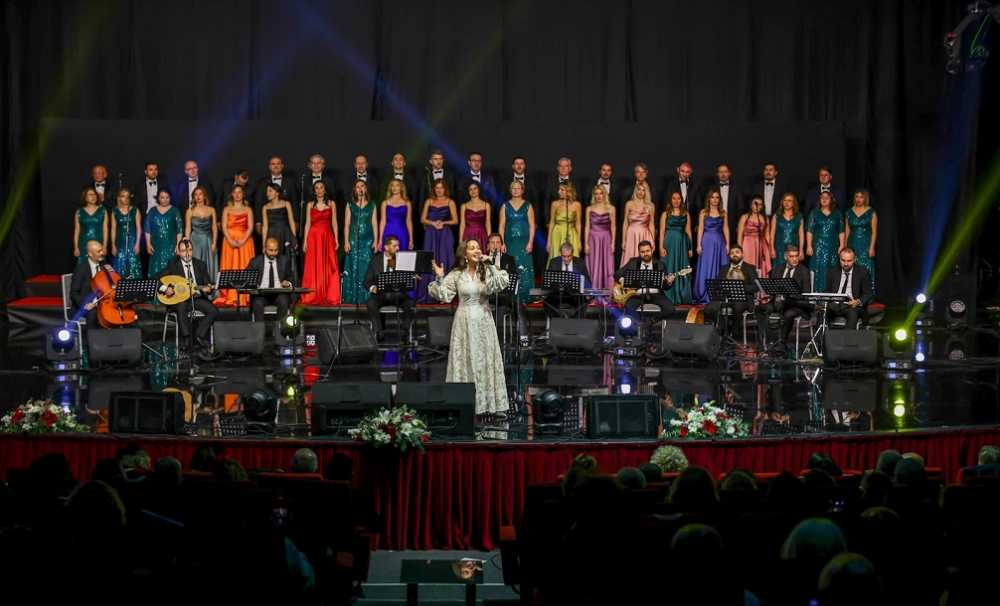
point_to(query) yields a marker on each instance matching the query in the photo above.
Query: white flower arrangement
(705, 422)
(40, 416)
(398, 427)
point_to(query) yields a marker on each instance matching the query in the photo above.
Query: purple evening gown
(713, 256)
(601, 258)
(395, 225)
(441, 242)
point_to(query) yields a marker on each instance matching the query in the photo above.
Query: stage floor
(957, 386)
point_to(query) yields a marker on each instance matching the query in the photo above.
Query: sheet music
(406, 260)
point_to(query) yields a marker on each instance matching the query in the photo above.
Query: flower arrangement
(40, 416)
(398, 427)
(669, 458)
(705, 421)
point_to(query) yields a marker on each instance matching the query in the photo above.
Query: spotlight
(899, 410)
(898, 349)
(626, 329)
(61, 346)
(548, 409)
(956, 313)
(627, 326)
(899, 335)
(260, 406)
(919, 356)
(626, 384)
(921, 298)
(291, 341)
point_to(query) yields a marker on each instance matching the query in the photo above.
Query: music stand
(238, 279)
(564, 283)
(511, 293)
(726, 292)
(136, 290)
(397, 282)
(643, 279)
(786, 288)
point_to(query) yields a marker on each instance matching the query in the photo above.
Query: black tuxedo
(658, 298)
(860, 288)
(789, 308)
(757, 188)
(139, 199)
(289, 191)
(201, 303)
(738, 307)
(553, 301)
(285, 271)
(427, 183)
(81, 293)
(812, 198)
(180, 191)
(379, 299)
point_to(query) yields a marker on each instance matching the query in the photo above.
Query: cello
(111, 313)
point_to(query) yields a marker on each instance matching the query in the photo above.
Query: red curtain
(457, 496)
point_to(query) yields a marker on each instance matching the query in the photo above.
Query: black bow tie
(475, 174)
(398, 176)
(771, 183)
(723, 183)
(362, 176)
(317, 177)
(190, 180)
(275, 179)
(683, 181)
(824, 188)
(563, 179)
(519, 177)
(152, 182)
(603, 182)
(438, 171)
(99, 184)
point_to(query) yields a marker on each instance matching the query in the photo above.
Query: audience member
(305, 461)
(887, 460)
(631, 478)
(652, 472)
(849, 579)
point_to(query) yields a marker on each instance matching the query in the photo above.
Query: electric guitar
(620, 294)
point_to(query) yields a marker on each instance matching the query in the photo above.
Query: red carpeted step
(36, 302)
(44, 285)
(36, 311)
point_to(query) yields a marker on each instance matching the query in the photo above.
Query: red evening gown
(321, 273)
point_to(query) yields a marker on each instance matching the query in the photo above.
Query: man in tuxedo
(850, 279)
(383, 262)
(749, 278)
(606, 180)
(284, 179)
(640, 174)
(566, 262)
(683, 182)
(80, 293)
(241, 178)
(192, 179)
(477, 174)
(769, 187)
(196, 272)
(789, 309)
(102, 185)
(362, 172)
(501, 260)
(275, 272)
(400, 172)
(519, 173)
(146, 192)
(435, 170)
(732, 202)
(564, 174)
(317, 172)
(825, 184)
(655, 296)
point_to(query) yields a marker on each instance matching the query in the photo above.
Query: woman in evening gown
(164, 228)
(565, 217)
(438, 218)
(862, 231)
(517, 225)
(474, 355)
(600, 238)
(126, 233)
(637, 225)
(202, 230)
(675, 247)
(319, 245)
(787, 228)
(475, 222)
(90, 222)
(359, 244)
(279, 221)
(824, 239)
(713, 244)
(752, 234)
(397, 217)
(237, 243)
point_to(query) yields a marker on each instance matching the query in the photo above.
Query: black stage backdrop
(658, 81)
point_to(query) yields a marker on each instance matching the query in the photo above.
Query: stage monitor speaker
(700, 340)
(240, 337)
(853, 393)
(356, 342)
(439, 331)
(146, 412)
(571, 333)
(851, 346)
(449, 409)
(114, 345)
(338, 407)
(622, 416)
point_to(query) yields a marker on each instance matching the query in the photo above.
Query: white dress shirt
(94, 267)
(643, 266)
(845, 283)
(265, 278)
(151, 192)
(769, 187)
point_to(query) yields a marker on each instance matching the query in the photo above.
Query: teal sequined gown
(361, 237)
(91, 228)
(127, 263)
(163, 229)
(786, 232)
(826, 230)
(677, 245)
(517, 230)
(861, 240)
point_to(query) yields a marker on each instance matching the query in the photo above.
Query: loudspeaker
(337, 407)
(240, 337)
(850, 394)
(571, 333)
(439, 331)
(146, 412)
(700, 340)
(449, 409)
(356, 341)
(622, 416)
(114, 345)
(851, 346)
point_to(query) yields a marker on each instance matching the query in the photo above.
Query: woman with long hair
(90, 222)
(397, 217)
(787, 227)
(713, 244)
(675, 247)
(201, 227)
(319, 245)
(359, 244)
(752, 234)
(237, 242)
(438, 217)
(126, 233)
(638, 224)
(599, 236)
(862, 232)
(565, 217)
(824, 239)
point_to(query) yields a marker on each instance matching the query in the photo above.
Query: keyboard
(826, 297)
(274, 291)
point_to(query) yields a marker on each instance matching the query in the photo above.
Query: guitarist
(196, 273)
(655, 296)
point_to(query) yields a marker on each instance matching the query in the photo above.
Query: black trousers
(659, 299)
(257, 303)
(380, 300)
(735, 321)
(852, 314)
(789, 310)
(202, 325)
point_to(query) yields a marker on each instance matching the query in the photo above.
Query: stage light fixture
(899, 335)
(626, 384)
(260, 406)
(919, 356)
(957, 309)
(291, 342)
(61, 348)
(921, 298)
(628, 326)
(548, 410)
(899, 410)
(898, 350)
(955, 348)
